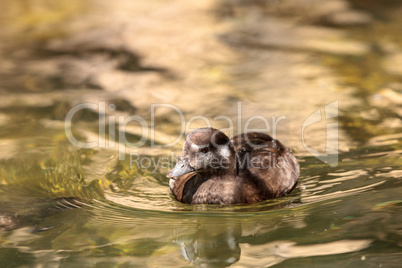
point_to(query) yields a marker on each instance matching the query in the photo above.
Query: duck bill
(182, 167)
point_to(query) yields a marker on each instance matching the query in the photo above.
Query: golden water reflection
(271, 58)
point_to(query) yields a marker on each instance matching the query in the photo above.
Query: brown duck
(249, 168)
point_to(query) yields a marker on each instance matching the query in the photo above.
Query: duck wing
(183, 187)
(266, 163)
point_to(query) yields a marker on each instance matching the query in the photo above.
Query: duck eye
(204, 150)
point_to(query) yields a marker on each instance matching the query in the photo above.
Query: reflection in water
(18, 208)
(217, 245)
(277, 58)
(273, 253)
(211, 245)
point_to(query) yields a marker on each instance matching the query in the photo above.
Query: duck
(249, 168)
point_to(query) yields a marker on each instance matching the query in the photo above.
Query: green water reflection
(66, 206)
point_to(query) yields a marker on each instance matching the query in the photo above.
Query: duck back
(267, 163)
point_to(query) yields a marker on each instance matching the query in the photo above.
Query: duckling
(249, 168)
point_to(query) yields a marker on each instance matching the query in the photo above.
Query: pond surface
(325, 79)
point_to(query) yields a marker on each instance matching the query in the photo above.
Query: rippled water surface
(109, 206)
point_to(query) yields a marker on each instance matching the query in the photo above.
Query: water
(65, 206)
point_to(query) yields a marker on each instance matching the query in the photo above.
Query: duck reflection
(212, 245)
(223, 242)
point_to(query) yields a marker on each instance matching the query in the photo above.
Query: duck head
(207, 151)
